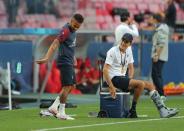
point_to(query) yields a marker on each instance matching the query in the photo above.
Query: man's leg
(63, 97)
(164, 111)
(60, 101)
(157, 76)
(54, 107)
(138, 87)
(154, 95)
(68, 82)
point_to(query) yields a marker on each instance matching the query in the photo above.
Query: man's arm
(133, 27)
(161, 41)
(112, 89)
(157, 54)
(63, 35)
(130, 64)
(50, 52)
(75, 61)
(134, 30)
(131, 70)
(159, 50)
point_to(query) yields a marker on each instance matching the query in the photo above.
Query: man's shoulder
(164, 28)
(122, 25)
(65, 27)
(113, 49)
(129, 49)
(65, 30)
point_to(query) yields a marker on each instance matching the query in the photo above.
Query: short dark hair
(124, 15)
(78, 17)
(127, 37)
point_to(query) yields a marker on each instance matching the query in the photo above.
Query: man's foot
(64, 117)
(172, 109)
(53, 110)
(132, 114)
(45, 113)
(166, 112)
(163, 98)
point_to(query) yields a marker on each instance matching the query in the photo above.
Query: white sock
(56, 103)
(62, 108)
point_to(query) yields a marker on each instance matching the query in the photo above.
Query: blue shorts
(67, 74)
(121, 82)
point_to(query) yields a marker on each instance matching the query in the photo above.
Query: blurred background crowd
(100, 15)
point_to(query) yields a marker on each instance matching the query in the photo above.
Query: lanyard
(123, 62)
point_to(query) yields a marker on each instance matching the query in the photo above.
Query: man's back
(125, 28)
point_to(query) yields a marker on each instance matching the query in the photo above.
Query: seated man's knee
(149, 85)
(141, 84)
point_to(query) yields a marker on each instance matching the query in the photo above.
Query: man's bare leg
(138, 87)
(63, 97)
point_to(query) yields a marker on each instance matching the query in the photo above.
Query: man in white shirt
(127, 26)
(118, 59)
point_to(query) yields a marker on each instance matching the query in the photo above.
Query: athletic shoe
(45, 113)
(64, 117)
(168, 112)
(49, 112)
(53, 110)
(163, 98)
(172, 109)
(132, 114)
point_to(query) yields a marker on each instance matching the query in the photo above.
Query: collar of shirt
(70, 28)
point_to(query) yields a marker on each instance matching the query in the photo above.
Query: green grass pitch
(29, 119)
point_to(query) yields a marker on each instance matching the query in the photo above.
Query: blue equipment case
(115, 108)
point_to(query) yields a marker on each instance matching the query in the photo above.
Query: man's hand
(40, 61)
(155, 58)
(112, 91)
(75, 61)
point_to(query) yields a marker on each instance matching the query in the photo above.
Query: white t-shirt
(125, 28)
(115, 59)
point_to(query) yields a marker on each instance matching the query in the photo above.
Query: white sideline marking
(112, 123)
(142, 116)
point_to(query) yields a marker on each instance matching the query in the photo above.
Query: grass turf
(29, 119)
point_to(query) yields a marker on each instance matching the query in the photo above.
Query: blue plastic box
(115, 108)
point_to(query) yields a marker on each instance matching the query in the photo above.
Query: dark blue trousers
(157, 68)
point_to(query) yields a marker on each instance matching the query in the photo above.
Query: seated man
(118, 59)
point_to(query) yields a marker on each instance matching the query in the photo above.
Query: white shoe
(166, 112)
(163, 98)
(64, 117)
(46, 113)
(171, 109)
(53, 110)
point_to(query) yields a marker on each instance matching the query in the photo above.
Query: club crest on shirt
(73, 43)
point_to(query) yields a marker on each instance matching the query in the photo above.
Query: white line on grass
(104, 124)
